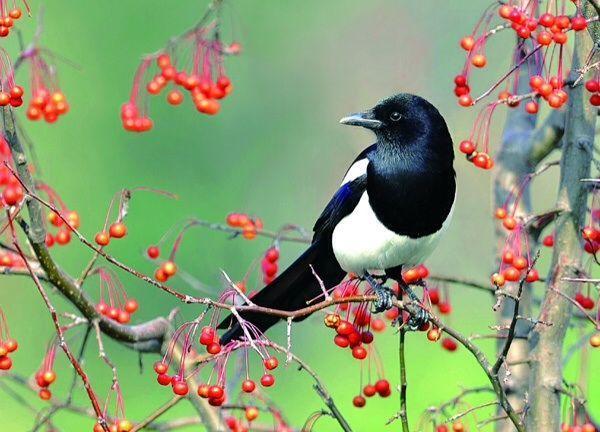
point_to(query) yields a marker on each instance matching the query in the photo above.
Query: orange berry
(118, 230)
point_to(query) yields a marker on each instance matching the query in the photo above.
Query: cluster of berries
(205, 80)
(8, 17)
(205, 93)
(476, 147)
(550, 89)
(513, 267)
(249, 226)
(122, 425)
(10, 93)
(210, 340)
(457, 426)
(8, 345)
(12, 96)
(586, 427)
(585, 301)
(545, 29)
(593, 86)
(251, 413)
(116, 230)
(47, 105)
(591, 237)
(349, 335)
(381, 388)
(45, 376)
(269, 264)
(515, 262)
(62, 236)
(177, 382)
(119, 307)
(118, 422)
(12, 192)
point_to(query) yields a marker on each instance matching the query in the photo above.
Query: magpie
(395, 201)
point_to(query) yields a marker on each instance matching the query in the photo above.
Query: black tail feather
(291, 290)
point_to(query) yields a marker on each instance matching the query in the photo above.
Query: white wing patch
(356, 170)
(362, 243)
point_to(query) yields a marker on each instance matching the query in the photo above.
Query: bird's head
(402, 119)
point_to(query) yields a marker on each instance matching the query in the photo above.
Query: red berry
(479, 60)
(465, 100)
(180, 388)
(175, 97)
(344, 328)
(267, 380)
(207, 336)
(203, 390)
(359, 401)
(213, 348)
(341, 341)
(248, 386)
(272, 254)
(445, 308)
(532, 107)
(63, 237)
(460, 80)
(434, 296)
(131, 306)
(578, 23)
(592, 85)
(509, 223)
(449, 344)
(215, 392)
(153, 252)
(369, 390)
(544, 38)
(11, 345)
(271, 363)
(359, 353)
(467, 147)
(161, 367)
(45, 394)
(382, 386)
(548, 240)
(102, 238)
(5, 362)
(118, 230)
(367, 337)
(163, 379)
(12, 195)
(511, 274)
(467, 43)
(546, 20)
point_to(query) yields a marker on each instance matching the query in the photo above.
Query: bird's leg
(422, 316)
(384, 294)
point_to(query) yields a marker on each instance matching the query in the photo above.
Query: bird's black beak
(365, 119)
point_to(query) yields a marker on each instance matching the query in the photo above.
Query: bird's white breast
(362, 243)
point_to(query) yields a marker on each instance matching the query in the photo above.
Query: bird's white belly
(362, 243)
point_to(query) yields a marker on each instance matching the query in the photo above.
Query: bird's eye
(395, 116)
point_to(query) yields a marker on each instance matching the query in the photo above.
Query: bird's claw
(415, 322)
(385, 297)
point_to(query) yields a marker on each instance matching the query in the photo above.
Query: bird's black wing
(341, 205)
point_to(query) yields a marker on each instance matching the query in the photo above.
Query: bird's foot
(415, 322)
(384, 295)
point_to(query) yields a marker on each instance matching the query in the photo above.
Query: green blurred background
(275, 150)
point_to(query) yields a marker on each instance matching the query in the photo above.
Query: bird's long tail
(291, 290)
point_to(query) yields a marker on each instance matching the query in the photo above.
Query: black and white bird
(394, 203)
